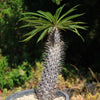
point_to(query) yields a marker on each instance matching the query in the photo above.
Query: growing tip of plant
(25, 40)
(22, 41)
(77, 5)
(63, 5)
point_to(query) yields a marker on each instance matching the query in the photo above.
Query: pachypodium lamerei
(50, 25)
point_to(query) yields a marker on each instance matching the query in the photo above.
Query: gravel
(33, 97)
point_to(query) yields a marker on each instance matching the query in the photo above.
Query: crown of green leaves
(44, 22)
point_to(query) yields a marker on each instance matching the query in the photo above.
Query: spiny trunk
(52, 62)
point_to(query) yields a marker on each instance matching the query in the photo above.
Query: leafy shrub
(3, 65)
(10, 9)
(15, 76)
(26, 66)
(3, 68)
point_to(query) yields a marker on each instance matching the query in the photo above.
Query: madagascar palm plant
(50, 25)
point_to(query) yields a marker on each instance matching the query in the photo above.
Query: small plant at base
(50, 25)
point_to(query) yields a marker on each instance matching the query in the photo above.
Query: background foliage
(13, 53)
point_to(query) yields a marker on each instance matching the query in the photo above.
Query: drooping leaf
(47, 15)
(27, 39)
(42, 35)
(27, 18)
(34, 14)
(76, 31)
(33, 33)
(78, 26)
(27, 25)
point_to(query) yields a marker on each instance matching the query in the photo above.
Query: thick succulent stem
(52, 62)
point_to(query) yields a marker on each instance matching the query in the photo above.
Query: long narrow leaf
(71, 17)
(68, 12)
(78, 26)
(46, 15)
(27, 25)
(58, 12)
(29, 17)
(27, 39)
(42, 35)
(51, 17)
(76, 31)
(44, 21)
(80, 23)
(37, 22)
(33, 32)
(42, 26)
(38, 29)
(66, 23)
(64, 28)
(32, 13)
